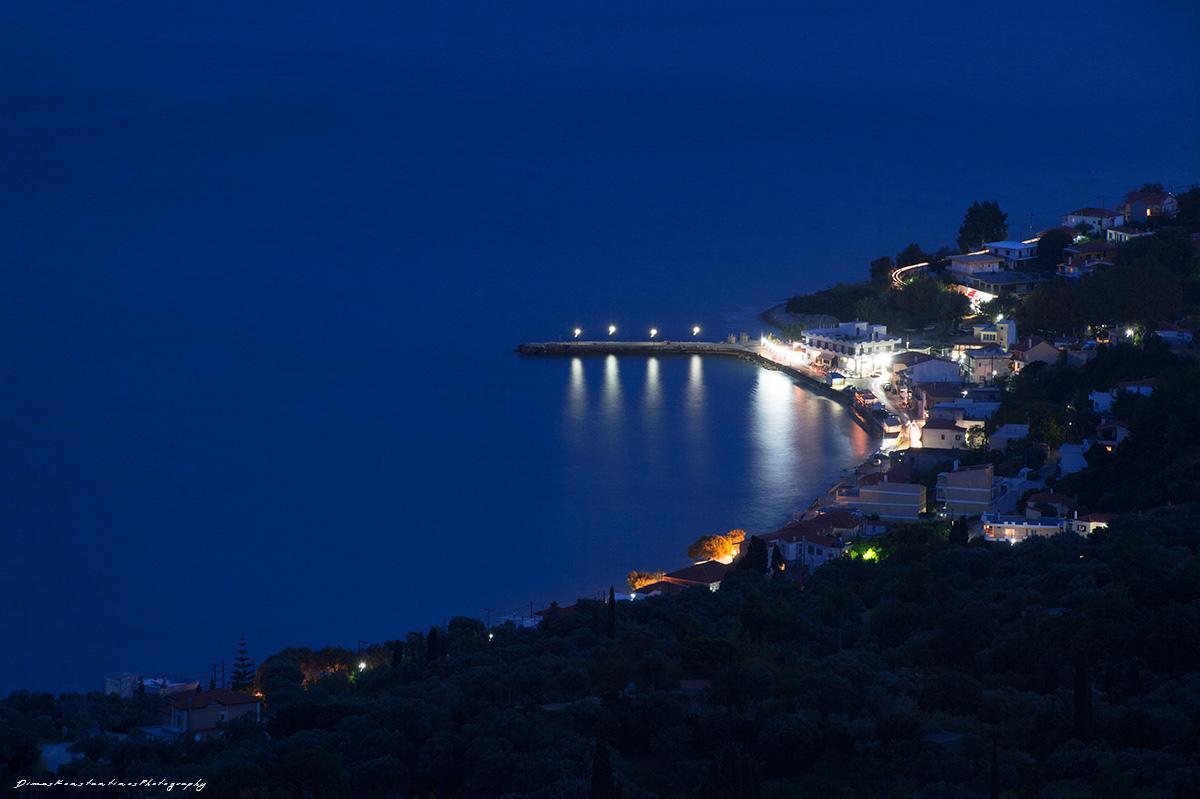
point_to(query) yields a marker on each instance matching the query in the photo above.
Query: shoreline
(593, 348)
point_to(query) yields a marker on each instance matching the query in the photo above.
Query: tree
(397, 653)
(603, 786)
(1082, 685)
(959, 531)
(881, 269)
(1050, 248)
(731, 776)
(983, 222)
(637, 579)
(755, 557)
(710, 547)
(434, 648)
(242, 678)
(778, 564)
(611, 629)
(912, 254)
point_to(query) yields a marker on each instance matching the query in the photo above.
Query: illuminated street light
(612, 329)
(578, 332)
(653, 332)
(362, 665)
(1129, 332)
(695, 330)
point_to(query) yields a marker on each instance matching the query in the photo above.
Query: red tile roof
(1147, 197)
(701, 573)
(1051, 498)
(201, 699)
(1103, 518)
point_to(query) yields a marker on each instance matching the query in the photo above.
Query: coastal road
(910, 431)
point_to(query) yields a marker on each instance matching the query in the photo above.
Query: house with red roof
(1096, 219)
(809, 543)
(1140, 205)
(1033, 349)
(1087, 524)
(202, 714)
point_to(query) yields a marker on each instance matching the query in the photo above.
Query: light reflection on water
(687, 444)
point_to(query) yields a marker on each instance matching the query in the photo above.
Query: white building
(1017, 528)
(855, 349)
(1097, 219)
(975, 263)
(1123, 233)
(1071, 457)
(1002, 332)
(987, 364)
(1015, 253)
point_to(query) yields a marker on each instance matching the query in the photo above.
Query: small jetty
(810, 380)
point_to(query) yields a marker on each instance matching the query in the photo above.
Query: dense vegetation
(1057, 668)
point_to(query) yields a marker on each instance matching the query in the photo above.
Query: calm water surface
(265, 266)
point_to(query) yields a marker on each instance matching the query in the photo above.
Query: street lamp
(578, 332)
(362, 665)
(612, 329)
(653, 332)
(695, 330)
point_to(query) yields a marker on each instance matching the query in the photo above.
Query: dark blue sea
(265, 266)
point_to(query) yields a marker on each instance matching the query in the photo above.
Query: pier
(809, 379)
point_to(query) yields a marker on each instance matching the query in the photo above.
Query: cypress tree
(755, 558)
(603, 786)
(242, 678)
(397, 653)
(612, 613)
(433, 645)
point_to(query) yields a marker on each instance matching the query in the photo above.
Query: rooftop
(1101, 212)
(201, 699)
(705, 573)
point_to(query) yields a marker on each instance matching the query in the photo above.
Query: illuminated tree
(638, 579)
(711, 547)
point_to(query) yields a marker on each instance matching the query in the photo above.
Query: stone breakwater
(745, 351)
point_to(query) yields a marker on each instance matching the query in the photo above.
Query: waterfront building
(855, 349)
(877, 495)
(920, 367)
(969, 491)
(1098, 220)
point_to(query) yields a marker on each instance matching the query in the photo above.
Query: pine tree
(243, 674)
(612, 613)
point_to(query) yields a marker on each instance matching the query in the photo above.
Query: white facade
(1014, 253)
(855, 349)
(1071, 457)
(1098, 219)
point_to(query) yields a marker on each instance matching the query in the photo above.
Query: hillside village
(976, 442)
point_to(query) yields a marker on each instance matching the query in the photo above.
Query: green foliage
(1057, 667)
(983, 222)
(1050, 249)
